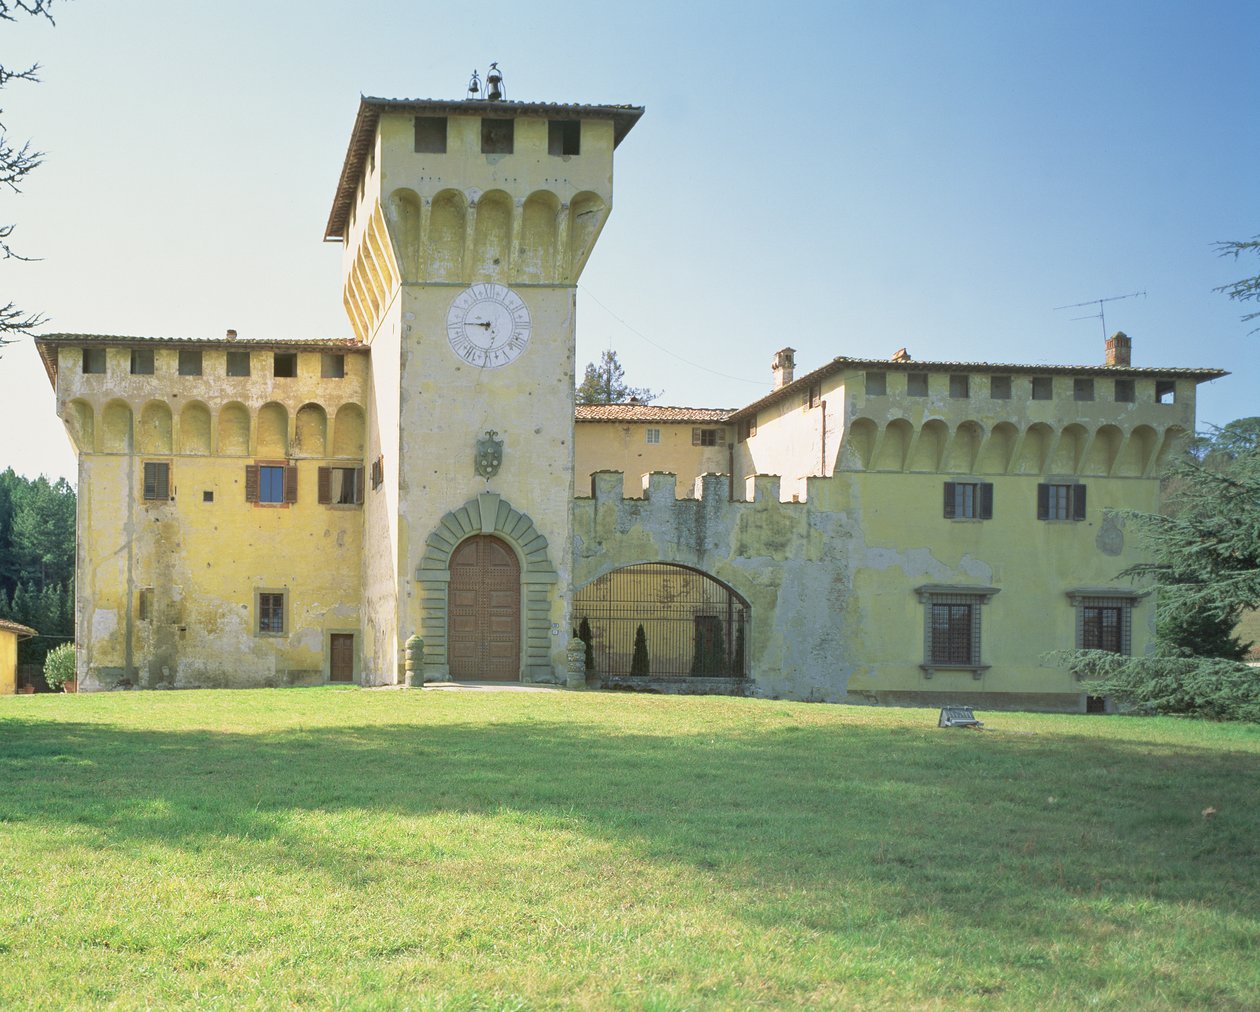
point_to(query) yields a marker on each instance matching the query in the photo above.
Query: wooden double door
(484, 612)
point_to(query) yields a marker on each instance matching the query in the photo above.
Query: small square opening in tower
(285, 364)
(238, 363)
(876, 384)
(1083, 388)
(959, 386)
(1000, 388)
(190, 361)
(430, 135)
(142, 362)
(917, 384)
(1166, 391)
(497, 136)
(332, 365)
(1042, 388)
(93, 361)
(1125, 392)
(564, 137)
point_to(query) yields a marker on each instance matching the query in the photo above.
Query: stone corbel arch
(488, 513)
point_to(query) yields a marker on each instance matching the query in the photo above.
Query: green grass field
(349, 848)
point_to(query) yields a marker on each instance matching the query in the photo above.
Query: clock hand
(485, 326)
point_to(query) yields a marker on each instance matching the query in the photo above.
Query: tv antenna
(1100, 315)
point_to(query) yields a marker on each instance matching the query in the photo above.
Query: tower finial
(494, 84)
(474, 88)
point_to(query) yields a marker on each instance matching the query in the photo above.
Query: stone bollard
(415, 661)
(575, 654)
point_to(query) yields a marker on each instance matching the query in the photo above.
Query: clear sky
(846, 178)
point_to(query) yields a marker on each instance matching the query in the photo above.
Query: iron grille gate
(692, 624)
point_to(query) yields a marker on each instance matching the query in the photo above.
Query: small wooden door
(341, 657)
(484, 611)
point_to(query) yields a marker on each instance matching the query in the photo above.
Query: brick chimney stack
(783, 367)
(1119, 349)
(231, 335)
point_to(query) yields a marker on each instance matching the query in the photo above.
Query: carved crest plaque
(489, 454)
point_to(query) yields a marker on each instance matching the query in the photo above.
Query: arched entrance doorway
(484, 616)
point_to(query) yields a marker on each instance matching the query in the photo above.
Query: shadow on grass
(972, 825)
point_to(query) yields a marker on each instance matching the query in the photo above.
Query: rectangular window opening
(341, 486)
(1000, 388)
(238, 363)
(952, 641)
(207, 496)
(1104, 623)
(564, 137)
(142, 362)
(93, 361)
(708, 437)
(1165, 392)
(968, 500)
(157, 481)
(190, 361)
(332, 366)
(144, 607)
(271, 617)
(497, 136)
(1083, 388)
(430, 135)
(284, 366)
(653, 436)
(1060, 501)
(959, 386)
(271, 484)
(1125, 393)
(916, 384)
(876, 384)
(1042, 388)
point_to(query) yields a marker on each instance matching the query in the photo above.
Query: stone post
(575, 654)
(415, 661)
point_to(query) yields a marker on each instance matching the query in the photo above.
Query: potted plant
(59, 670)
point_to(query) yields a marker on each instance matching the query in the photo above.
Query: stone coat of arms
(489, 454)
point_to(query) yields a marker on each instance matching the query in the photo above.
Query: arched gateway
(471, 563)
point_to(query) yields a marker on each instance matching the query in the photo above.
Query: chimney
(784, 367)
(1119, 349)
(900, 355)
(231, 335)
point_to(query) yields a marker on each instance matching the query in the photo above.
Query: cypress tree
(639, 664)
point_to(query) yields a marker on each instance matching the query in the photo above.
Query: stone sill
(977, 670)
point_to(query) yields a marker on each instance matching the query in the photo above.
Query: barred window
(1104, 622)
(951, 628)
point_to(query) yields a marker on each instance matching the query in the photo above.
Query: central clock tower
(465, 226)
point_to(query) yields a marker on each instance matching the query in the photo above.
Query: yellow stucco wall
(199, 558)
(8, 662)
(623, 446)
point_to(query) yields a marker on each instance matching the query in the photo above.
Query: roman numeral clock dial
(488, 325)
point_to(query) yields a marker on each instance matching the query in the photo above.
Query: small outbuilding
(10, 634)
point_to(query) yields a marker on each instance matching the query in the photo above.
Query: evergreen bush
(639, 663)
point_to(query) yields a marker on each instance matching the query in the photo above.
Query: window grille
(157, 481)
(1104, 623)
(951, 627)
(271, 612)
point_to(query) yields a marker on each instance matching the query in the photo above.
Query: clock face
(488, 325)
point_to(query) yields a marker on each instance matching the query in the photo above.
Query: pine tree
(606, 384)
(639, 664)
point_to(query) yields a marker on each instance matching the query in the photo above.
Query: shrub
(586, 636)
(639, 664)
(59, 666)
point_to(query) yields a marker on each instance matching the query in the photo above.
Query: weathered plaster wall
(617, 446)
(200, 557)
(832, 580)
(796, 440)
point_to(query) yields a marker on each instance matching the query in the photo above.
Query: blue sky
(843, 178)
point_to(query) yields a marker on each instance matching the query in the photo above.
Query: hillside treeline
(37, 560)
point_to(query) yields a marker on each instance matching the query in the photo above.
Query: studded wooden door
(484, 623)
(341, 657)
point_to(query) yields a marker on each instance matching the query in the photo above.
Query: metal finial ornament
(494, 84)
(474, 87)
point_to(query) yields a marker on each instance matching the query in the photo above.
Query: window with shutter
(341, 486)
(1062, 501)
(157, 481)
(290, 483)
(251, 483)
(968, 500)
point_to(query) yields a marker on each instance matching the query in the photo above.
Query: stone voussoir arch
(488, 513)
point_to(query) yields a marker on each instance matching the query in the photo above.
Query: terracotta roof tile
(646, 413)
(15, 627)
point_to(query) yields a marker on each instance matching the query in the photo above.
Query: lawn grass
(353, 848)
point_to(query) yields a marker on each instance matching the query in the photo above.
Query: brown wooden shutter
(949, 500)
(720, 437)
(1043, 502)
(695, 437)
(358, 486)
(325, 485)
(986, 500)
(290, 484)
(251, 483)
(1078, 502)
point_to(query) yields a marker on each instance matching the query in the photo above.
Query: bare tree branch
(1245, 289)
